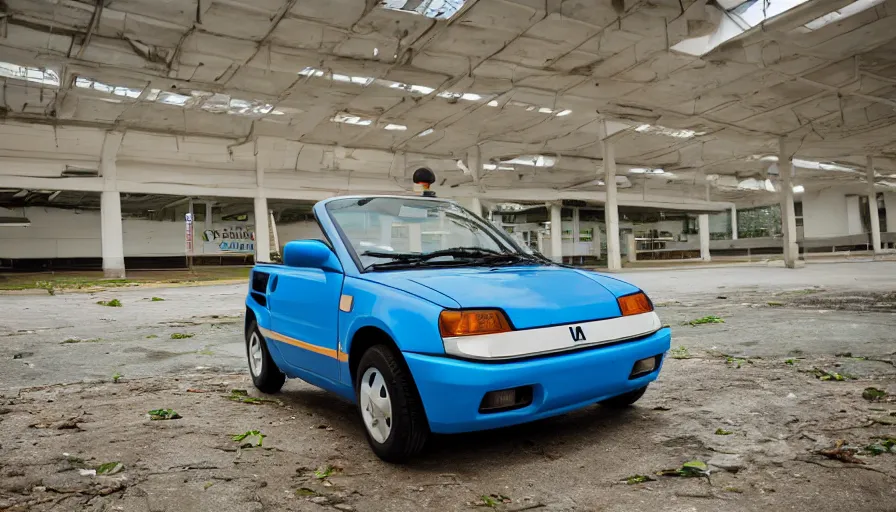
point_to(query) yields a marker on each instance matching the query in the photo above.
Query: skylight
(436, 9)
(29, 74)
(842, 14)
(532, 160)
(669, 132)
(342, 117)
(118, 90)
(734, 22)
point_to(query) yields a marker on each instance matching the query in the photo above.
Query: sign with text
(231, 238)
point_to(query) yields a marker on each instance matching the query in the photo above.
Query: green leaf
(157, 299)
(114, 303)
(109, 468)
(249, 439)
(679, 352)
(163, 414)
(638, 479)
(708, 319)
(723, 432)
(181, 335)
(873, 394)
(304, 491)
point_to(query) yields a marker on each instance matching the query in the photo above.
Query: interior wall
(853, 216)
(825, 214)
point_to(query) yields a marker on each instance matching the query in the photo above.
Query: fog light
(643, 367)
(506, 399)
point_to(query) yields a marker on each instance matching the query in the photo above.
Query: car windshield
(391, 233)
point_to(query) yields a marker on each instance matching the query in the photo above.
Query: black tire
(625, 399)
(408, 428)
(269, 379)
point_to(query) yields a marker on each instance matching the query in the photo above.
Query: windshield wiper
(464, 256)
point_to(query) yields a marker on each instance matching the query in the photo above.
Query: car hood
(530, 296)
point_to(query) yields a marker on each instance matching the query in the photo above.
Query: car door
(304, 306)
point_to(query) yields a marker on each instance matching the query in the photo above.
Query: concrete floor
(736, 377)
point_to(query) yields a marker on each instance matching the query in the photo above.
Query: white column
(575, 231)
(611, 212)
(788, 217)
(556, 233)
(873, 214)
(734, 222)
(110, 209)
(262, 228)
(631, 248)
(703, 231)
(474, 163)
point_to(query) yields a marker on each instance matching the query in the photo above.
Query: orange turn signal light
(471, 322)
(634, 304)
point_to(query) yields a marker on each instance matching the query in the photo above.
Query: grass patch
(723, 432)
(114, 303)
(874, 394)
(708, 319)
(181, 335)
(638, 479)
(151, 337)
(157, 299)
(775, 304)
(94, 279)
(736, 362)
(116, 377)
(242, 396)
(163, 414)
(109, 468)
(826, 375)
(679, 352)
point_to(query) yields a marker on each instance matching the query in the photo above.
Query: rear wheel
(393, 416)
(265, 374)
(625, 399)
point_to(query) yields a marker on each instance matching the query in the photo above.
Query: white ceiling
(515, 77)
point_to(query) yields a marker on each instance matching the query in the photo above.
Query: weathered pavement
(753, 376)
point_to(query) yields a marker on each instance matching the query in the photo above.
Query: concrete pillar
(539, 240)
(110, 209)
(262, 231)
(630, 248)
(734, 223)
(788, 217)
(113, 242)
(890, 204)
(873, 216)
(556, 233)
(611, 212)
(474, 163)
(703, 231)
(575, 232)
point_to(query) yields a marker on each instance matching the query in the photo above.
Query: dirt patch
(852, 301)
(777, 420)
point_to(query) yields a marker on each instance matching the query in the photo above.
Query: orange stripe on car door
(338, 355)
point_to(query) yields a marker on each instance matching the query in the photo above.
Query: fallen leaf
(842, 453)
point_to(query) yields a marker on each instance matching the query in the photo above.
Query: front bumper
(452, 389)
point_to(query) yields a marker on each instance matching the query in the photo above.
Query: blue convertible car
(432, 320)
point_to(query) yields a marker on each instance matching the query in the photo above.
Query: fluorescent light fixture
(842, 14)
(436, 9)
(118, 90)
(493, 103)
(493, 167)
(637, 170)
(799, 189)
(425, 132)
(396, 127)
(172, 98)
(563, 113)
(29, 74)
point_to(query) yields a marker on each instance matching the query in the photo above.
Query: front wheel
(625, 399)
(394, 420)
(265, 374)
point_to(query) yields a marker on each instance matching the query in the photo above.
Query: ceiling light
(396, 127)
(425, 132)
(493, 103)
(669, 132)
(532, 160)
(799, 189)
(350, 119)
(563, 113)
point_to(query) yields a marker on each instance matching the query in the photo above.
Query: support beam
(611, 211)
(788, 216)
(474, 163)
(110, 209)
(873, 215)
(556, 233)
(703, 230)
(631, 247)
(262, 228)
(734, 222)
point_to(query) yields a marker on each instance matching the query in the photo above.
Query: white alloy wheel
(376, 405)
(256, 356)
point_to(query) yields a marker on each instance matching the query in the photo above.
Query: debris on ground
(873, 394)
(826, 375)
(691, 468)
(242, 396)
(679, 352)
(163, 414)
(842, 452)
(249, 439)
(723, 432)
(709, 319)
(68, 341)
(114, 303)
(181, 335)
(116, 377)
(326, 471)
(491, 500)
(775, 304)
(109, 468)
(157, 299)
(638, 479)
(736, 362)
